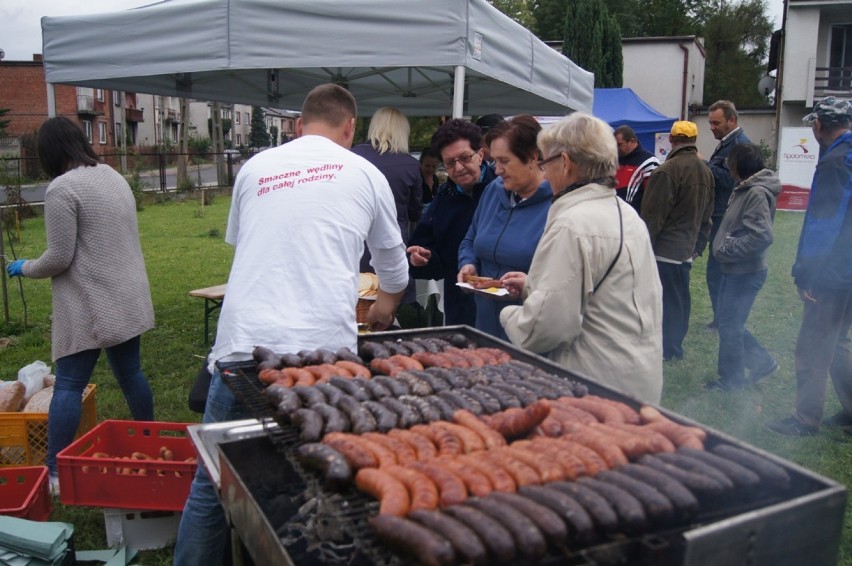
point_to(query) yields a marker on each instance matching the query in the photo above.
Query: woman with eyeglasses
(434, 246)
(510, 218)
(592, 301)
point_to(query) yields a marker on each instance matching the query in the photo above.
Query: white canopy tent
(411, 54)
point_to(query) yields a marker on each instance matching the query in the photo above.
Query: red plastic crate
(116, 480)
(25, 493)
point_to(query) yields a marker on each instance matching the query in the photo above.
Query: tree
(518, 10)
(258, 137)
(592, 39)
(736, 37)
(226, 126)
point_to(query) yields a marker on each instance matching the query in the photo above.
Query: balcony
(833, 81)
(133, 115)
(86, 105)
(171, 115)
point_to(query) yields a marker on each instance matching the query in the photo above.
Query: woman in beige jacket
(592, 301)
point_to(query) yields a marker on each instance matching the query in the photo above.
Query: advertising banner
(798, 153)
(662, 145)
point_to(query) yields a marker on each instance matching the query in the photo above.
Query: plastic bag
(32, 376)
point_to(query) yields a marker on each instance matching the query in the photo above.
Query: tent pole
(51, 100)
(458, 92)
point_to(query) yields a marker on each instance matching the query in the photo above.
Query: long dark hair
(62, 146)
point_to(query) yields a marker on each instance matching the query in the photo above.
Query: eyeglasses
(543, 162)
(462, 159)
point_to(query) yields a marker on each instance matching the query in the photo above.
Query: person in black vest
(635, 165)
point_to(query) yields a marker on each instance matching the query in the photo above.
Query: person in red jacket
(635, 165)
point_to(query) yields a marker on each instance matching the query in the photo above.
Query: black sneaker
(839, 420)
(757, 375)
(719, 385)
(791, 426)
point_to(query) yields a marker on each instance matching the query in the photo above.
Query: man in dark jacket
(677, 209)
(823, 275)
(723, 123)
(434, 246)
(635, 165)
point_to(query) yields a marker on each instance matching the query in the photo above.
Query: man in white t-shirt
(300, 215)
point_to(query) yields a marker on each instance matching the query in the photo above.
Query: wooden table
(213, 297)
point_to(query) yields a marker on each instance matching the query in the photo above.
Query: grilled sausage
(459, 402)
(688, 463)
(310, 395)
(770, 472)
(595, 405)
(476, 482)
(465, 541)
(701, 485)
(447, 442)
(334, 420)
(599, 509)
(547, 521)
(444, 409)
(268, 375)
(261, 354)
(490, 437)
(435, 382)
(683, 500)
(385, 418)
(505, 400)
(450, 486)
(488, 403)
(499, 478)
(395, 386)
(383, 366)
(356, 369)
(600, 443)
(524, 396)
(529, 540)
(572, 466)
(679, 435)
(423, 446)
(351, 387)
(421, 489)
(631, 514)
(284, 398)
(361, 418)
(418, 385)
(407, 416)
(657, 506)
(332, 393)
(291, 361)
(309, 423)
(471, 441)
(384, 456)
(742, 476)
(411, 538)
(329, 462)
(518, 423)
(497, 540)
(375, 389)
(568, 509)
(548, 470)
(358, 455)
(522, 473)
(427, 411)
(371, 350)
(403, 452)
(347, 355)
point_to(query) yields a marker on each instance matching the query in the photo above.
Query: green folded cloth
(45, 541)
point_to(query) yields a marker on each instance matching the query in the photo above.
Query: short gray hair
(587, 140)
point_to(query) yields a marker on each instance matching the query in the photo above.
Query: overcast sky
(20, 20)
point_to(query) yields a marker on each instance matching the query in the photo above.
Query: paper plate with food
(485, 285)
(368, 286)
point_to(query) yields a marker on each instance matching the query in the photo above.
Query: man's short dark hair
(745, 159)
(521, 132)
(329, 103)
(62, 146)
(427, 152)
(454, 130)
(727, 107)
(626, 132)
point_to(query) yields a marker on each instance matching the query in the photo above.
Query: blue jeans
(72, 376)
(203, 531)
(677, 305)
(738, 349)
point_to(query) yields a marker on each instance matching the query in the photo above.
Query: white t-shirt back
(299, 218)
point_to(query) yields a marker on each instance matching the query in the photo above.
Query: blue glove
(15, 269)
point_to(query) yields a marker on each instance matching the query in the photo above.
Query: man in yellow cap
(676, 207)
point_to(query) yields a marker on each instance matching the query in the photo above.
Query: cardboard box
(141, 529)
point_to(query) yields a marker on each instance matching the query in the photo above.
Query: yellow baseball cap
(684, 129)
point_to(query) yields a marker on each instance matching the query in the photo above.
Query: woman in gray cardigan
(101, 298)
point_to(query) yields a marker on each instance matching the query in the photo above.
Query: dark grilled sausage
(465, 541)
(284, 398)
(334, 419)
(350, 386)
(742, 477)
(427, 411)
(683, 500)
(357, 454)
(574, 514)
(407, 416)
(497, 540)
(529, 540)
(418, 385)
(329, 462)
(413, 539)
(362, 419)
(347, 355)
(455, 400)
(657, 506)
(439, 404)
(506, 400)
(631, 514)
(599, 509)
(703, 486)
(523, 395)
(697, 466)
(371, 350)
(291, 361)
(385, 418)
(309, 423)
(769, 472)
(435, 382)
(488, 403)
(455, 379)
(376, 389)
(547, 521)
(395, 386)
(332, 393)
(309, 395)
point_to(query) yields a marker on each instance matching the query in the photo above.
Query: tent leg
(51, 100)
(458, 92)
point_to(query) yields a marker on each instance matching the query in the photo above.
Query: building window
(87, 126)
(239, 139)
(102, 135)
(118, 134)
(116, 97)
(248, 120)
(840, 58)
(237, 118)
(99, 94)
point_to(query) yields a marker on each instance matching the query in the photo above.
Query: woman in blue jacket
(510, 218)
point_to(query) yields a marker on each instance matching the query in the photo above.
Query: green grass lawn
(184, 250)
